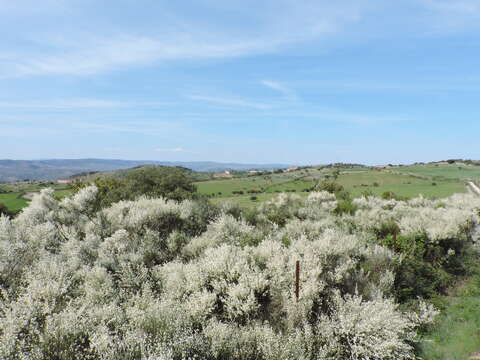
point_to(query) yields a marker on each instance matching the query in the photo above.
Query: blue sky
(289, 81)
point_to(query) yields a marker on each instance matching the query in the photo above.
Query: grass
(225, 188)
(62, 193)
(450, 171)
(356, 181)
(408, 181)
(13, 201)
(456, 334)
(379, 182)
(245, 200)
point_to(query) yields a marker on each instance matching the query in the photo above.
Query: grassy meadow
(13, 201)
(456, 171)
(357, 181)
(16, 196)
(378, 182)
(247, 190)
(456, 334)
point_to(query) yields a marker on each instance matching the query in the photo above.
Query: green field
(225, 188)
(245, 200)
(432, 181)
(379, 182)
(15, 196)
(445, 171)
(13, 201)
(357, 181)
(62, 193)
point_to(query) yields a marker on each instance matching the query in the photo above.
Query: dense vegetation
(151, 278)
(248, 189)
(455, 334)
(154, 181)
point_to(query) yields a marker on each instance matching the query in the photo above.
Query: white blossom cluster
(134, 281)
(439, 219)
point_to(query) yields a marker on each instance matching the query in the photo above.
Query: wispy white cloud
(276, 25)
(159, 128)
(63, 104)
(100, 55)
(183, 38)
(224, 101)
(171, 150)
(287, 93)
(105, 55)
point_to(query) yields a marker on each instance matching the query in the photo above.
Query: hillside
(429, 180)
(249, 188)
(53, 169)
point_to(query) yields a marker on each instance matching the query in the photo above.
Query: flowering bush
(160, 279)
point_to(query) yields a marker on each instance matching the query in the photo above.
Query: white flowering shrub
(279, 209)
(159, 279)
(318, 205)
(439, 219)
(225, 229)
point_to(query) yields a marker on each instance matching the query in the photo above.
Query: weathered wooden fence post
(297, 280)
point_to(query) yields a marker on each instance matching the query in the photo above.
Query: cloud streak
(65, 104)
(287, 93)
(171, 150)
(235, 102)
(183, 38)
(105, 55)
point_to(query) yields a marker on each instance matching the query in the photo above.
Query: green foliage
(281, 209)
(4, 210)
(345, 207)
(154, 181)
(387, 195)
(367, 193)
(170, 183)
(329, 186)
(385, 229)
(417, 278)
(336, 174)
(424, 268)
(455, 334)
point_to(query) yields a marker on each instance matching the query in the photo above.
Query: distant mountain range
(53, 169)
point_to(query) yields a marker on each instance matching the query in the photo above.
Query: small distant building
(225, 174)
(64, 181)
(292, 168)
(253, 171)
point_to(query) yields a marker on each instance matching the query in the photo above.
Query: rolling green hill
(47, 170)
(406, 181)
(434, 180)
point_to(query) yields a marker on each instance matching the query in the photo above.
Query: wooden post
(297, 280)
